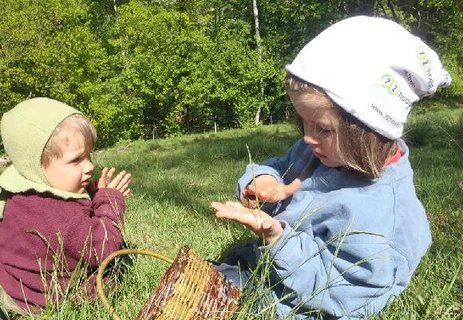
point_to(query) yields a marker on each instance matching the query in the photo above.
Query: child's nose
(310, 137)
(89, 167)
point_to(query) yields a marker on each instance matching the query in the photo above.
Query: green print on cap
(425, 61)
(390, 84)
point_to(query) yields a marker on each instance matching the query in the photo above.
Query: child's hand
(266, 227)
(120, 182)
(266, 188)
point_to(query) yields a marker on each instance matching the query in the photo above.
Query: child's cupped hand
(120, 182)
(266, 188)
(259, 222)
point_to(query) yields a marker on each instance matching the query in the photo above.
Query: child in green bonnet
(53, 216)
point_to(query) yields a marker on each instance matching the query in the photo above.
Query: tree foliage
(154, 68)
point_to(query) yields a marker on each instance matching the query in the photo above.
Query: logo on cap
(390, 84)
(393, 88)
(425, 63)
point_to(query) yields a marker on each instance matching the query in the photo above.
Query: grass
(175, 179)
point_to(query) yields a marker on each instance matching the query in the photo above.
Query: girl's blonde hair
(79, 124)
(363, 151)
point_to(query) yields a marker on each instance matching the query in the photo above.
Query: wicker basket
(190, 288)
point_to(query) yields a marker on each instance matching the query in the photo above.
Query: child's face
(73, 170)
(320, 121)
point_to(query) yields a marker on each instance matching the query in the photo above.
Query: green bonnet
(25, 131)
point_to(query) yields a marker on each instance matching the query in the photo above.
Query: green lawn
(175, 179)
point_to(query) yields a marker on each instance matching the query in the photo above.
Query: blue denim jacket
(349, 245)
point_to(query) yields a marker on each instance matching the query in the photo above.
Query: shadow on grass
(207, 148)
(440, 129)
(191, 171)
(194, 170)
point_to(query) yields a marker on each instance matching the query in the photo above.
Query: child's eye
(76, 160)
(81, 158)
(317, 130)
(326, 132)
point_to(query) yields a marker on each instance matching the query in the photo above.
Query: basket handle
(104, 264)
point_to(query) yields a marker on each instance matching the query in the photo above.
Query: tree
(56, 56)
(259, 52)
(153, 68)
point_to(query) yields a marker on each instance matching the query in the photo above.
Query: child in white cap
(338, 215)
(53, 218)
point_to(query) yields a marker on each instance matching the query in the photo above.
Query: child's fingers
(226, 212)
(236, 212)
(248, 202)
(122, 188)
(101, 182)
(249, 191)
(124, 183)
(248, 198)
(104, 172)
(120, 182)
(267, 225)
(269, 192)
(291, 188)
(127, 192)
(234, 204)
(115, 182)
(109, 174)
(271, 230)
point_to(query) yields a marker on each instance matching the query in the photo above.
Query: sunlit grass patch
(175, 179)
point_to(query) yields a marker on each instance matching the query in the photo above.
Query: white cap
(373, 68)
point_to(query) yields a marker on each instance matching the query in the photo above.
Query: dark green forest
(157, 68)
